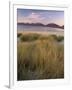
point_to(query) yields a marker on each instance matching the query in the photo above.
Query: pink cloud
(36, 18)
(32, 18)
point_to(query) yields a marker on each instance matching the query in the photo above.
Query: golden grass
(40, 59)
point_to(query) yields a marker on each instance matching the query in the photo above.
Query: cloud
(39, 18)
(32, 18)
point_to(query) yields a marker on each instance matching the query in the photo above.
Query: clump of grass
(19, 34)
(42, 59)
(33, 37)
(29, 37)
(58, 38)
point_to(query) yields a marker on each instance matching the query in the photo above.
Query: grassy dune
(40, 57)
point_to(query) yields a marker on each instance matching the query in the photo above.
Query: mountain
(62, 27)
(32, 24)
(53, 25)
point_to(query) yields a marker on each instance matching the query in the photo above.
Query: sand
(43, 33)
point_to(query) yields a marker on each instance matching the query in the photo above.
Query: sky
(40, 16)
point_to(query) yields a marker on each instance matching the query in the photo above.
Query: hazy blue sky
(40, 16)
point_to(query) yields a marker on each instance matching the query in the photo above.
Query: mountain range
(53, 25)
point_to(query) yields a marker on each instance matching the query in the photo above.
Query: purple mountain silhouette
(53, 25)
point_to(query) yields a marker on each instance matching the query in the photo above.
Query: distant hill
(53, 25)
(62, 27)
(32, 24)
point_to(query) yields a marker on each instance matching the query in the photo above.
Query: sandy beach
(43, 33)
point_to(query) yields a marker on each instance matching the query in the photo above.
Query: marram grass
(40, 59)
